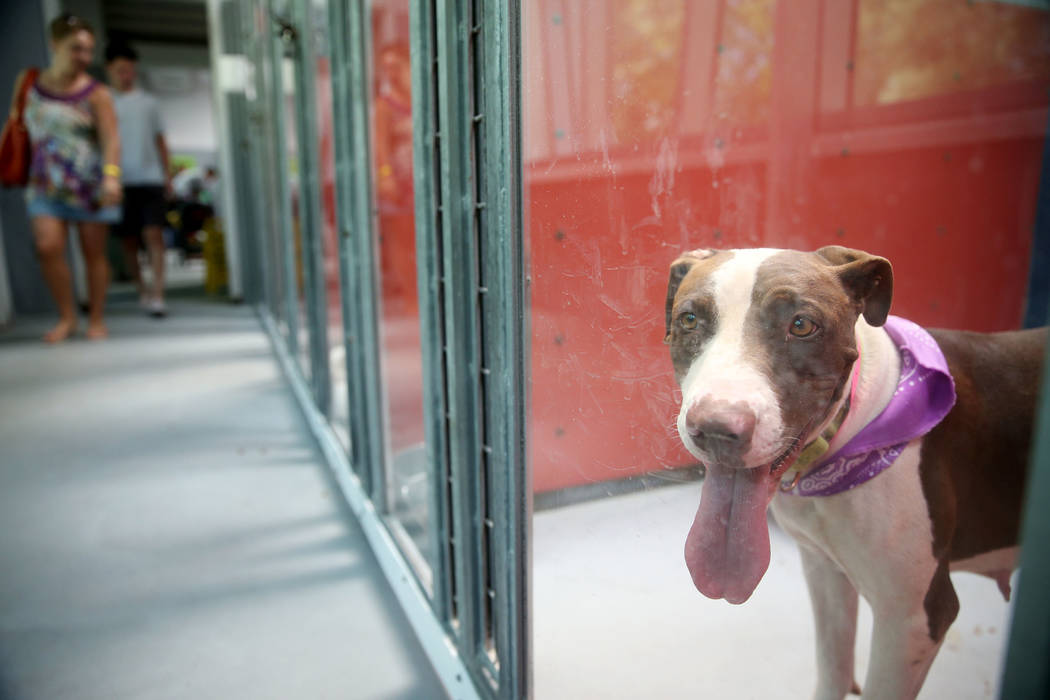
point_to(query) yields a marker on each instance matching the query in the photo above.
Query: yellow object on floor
(215, 270)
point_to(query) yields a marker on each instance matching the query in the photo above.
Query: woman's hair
(67, 23)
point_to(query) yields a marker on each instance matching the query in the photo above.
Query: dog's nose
(721, 428)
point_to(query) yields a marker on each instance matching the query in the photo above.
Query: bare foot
(61, 331)
(96, 331)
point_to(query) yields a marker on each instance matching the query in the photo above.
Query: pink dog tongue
(727, 550)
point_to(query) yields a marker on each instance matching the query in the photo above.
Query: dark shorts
(144, 205)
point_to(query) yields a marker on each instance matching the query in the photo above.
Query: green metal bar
(256, 136)
(366, 254)
(345, 188)
(498, 119)
(344, 172)
(369, 438)
(469, 227)
(310, 221)
(283, 190)
(252, 182)
(267, 198)
(241, 224)
(237, 110)
(429, 251)
(460, 271)
(1027, 673)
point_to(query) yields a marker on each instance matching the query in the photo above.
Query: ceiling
(162, 21)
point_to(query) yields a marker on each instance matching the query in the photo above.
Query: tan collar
(816, 449)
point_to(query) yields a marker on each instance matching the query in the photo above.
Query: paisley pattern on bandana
(925, 393)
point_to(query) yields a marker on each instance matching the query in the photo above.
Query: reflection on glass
(744, 50)
(339, 411)
(652, 127)
(274, 234)
(291, 146)
(908, 50)
(265, 142)
(408, 485)
(646, 34)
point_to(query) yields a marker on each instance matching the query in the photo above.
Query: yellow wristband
(111, 169)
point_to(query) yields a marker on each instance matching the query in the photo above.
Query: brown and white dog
(766, 347)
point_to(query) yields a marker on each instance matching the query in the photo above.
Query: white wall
(22, 29)
(185, 96)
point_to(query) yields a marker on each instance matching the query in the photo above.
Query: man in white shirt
(145, 173)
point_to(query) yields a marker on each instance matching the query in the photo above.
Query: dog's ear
(867, 278)
(679, 269)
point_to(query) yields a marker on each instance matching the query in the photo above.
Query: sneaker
(157, 308)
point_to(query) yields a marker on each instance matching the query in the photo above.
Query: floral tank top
(66, 165)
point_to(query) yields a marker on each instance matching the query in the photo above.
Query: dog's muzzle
(721, 430)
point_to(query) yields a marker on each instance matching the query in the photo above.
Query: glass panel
(909, 50)
(339, 410)
(291, 147)
(909, 129)
(259, 46)
(408, 482)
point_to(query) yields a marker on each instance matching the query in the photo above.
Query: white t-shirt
(139, 122)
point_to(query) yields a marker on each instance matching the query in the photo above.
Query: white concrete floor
(616, 614)
(168, 528)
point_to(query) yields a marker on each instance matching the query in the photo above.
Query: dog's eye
(688, 321)
(802, 327)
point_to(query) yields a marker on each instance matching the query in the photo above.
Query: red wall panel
(655, 126)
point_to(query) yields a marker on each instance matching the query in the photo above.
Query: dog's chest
(879, 533)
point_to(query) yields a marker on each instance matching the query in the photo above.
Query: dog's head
(763, 343)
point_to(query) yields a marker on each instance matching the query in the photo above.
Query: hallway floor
(168, 528)
(616, 615)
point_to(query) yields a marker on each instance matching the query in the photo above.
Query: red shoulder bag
(14, 141)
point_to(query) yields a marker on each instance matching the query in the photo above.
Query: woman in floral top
(74, 173)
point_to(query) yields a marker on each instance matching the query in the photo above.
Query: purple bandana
(925, 393)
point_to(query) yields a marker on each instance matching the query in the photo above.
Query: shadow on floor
(168, 528)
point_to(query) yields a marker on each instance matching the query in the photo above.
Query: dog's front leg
(835, 612)
(901, 654)
(911, 620)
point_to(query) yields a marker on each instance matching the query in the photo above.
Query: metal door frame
(310, 218)
(357, 249)
(469, 236)
(466, 72)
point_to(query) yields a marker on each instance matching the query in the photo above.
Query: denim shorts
(67, 212)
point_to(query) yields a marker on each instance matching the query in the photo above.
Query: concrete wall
(23, 24)
(185, 97)
(6, 308)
